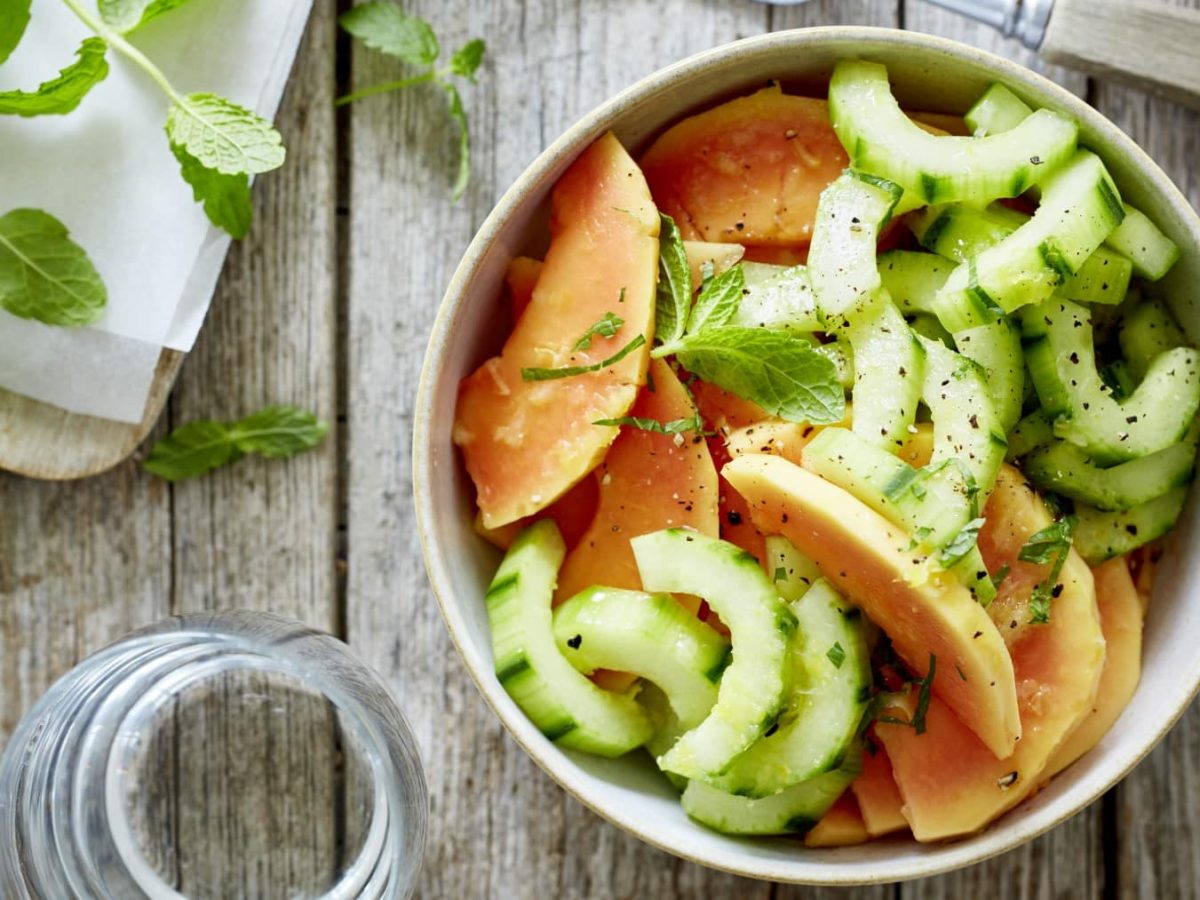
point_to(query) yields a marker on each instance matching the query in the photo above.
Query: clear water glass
(213, 756)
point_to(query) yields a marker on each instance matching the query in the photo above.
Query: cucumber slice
(1066, 469)
(1146, 331)
(998, 110)
(931, 327)
(777, 297)
(564, 705)
(1033, 431)
(667, 727)
(966, 428)
(1103, 278)
(931, 504)
(996, 347)
(753, 687)
(794, 573)
(1062, 364)
(793, 810)
(1150, 251)
(650, 635)
(841, 354)
(841, 257)
(1101, 535)
(830, 683)
(882, 140)
(913, 279)
(886, 392)
(1080, 207)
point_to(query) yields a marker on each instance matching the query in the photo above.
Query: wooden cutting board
(43, 441)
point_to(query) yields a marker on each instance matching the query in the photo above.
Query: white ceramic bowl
(927, 73)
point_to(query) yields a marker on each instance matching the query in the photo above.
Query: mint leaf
(14, 16)
(674, 426)
(126, 15)
(606, 326)
(223, 136)
(387, 28)
(961, 544)
(1000, 575)
(836, 654)
(923, 697)
(467, 58)
(62, 94)
(44, 275)
(1051, 544)
(783, 374)
(459, 115)
(199, 447)
(226, 198)
(532, 374)
(674, 293)
(718, 301)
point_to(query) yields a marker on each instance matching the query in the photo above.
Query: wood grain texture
(1157, 813)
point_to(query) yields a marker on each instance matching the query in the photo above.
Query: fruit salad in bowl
(829, 446)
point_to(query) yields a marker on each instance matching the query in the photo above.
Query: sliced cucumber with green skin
(997, 110)
(1101, 535)
(931, 504)
(1080, 207)
(961, 232)
(1138, 238)
(753, 687)
(966, 428)
(1062, 364)
(881, 139)
(913, 279)
(563, 704)
(793, 810)
(932, 328)
(1033, 431)
(830, 684)
(996, 346)
(1146, 331)
(667, 727)
(841, 257)
(1119, 379)
(793, 572)
(841, 354)
(886, 392)
(650, 635)
(777, 297)
(1066, 469)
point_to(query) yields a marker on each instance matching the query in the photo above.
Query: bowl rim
(947, 856)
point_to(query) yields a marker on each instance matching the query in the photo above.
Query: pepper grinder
(1147, 44)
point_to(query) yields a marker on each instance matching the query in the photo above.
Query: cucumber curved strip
(650, 635)
(753, 687)
(882, 140)
(563, 704)
(1101, 535)
(1062, 364)
(830, 682)
(887, 392)
(793, 810)
(777, 297)
(1148, 330)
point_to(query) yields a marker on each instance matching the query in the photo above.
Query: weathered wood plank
(1158, 819)
(1068, 861)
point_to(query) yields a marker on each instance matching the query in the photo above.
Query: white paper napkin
(106, 172)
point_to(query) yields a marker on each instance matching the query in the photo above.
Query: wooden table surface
(327, 305)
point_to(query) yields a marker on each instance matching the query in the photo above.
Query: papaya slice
(926, 612)
(748, 171)
(952, 784)
(572, 513)
(521, 278)
(878, 797)
(841, 826)
(648, 481)
(719, 256)
(526, 442)
(1121, 621)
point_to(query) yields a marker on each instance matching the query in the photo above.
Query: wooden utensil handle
(1147, 44)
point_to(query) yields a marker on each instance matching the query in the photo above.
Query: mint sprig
(128, 15)
(193, 449)
(61, 94)
(44, 275)
(1051, 546)
(783, 374)
(537, 374)
(606, 326)
(672, 426)
(382, 25)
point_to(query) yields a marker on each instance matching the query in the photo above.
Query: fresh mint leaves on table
(783, 374)
(44, 275)
(218, 144)
(199, 447)
(384, 26)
